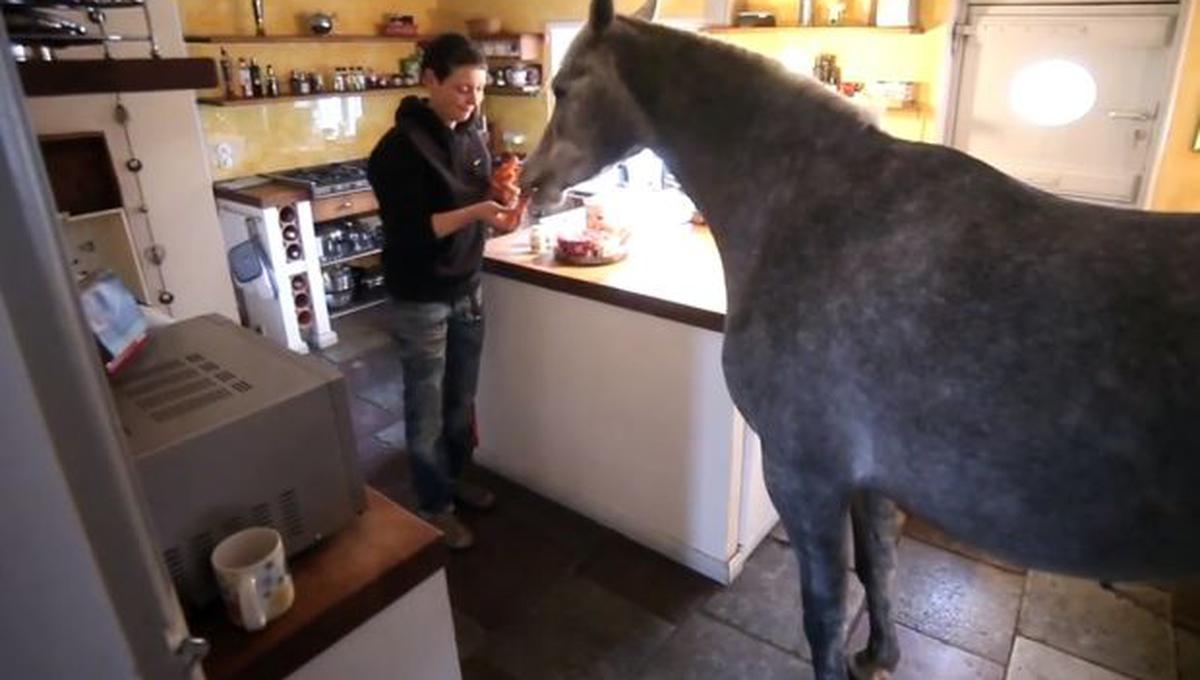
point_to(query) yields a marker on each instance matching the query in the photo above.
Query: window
(1052, 92)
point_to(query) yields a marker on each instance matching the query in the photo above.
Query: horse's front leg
(875, 523)
(814, 512)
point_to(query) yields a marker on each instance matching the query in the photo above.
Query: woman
(431, 173)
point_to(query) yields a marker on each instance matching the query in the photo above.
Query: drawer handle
(345, 205)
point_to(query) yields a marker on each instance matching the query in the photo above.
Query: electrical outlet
(223, 155)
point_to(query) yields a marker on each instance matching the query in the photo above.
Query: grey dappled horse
(908, 325)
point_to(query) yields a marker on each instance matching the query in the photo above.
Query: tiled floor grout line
(1012, 645)
(729, 624)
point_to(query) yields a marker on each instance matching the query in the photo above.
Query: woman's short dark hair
(450, 51)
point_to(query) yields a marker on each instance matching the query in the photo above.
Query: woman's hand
(504, 218)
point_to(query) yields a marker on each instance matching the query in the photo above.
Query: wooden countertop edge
(664, 309)
(269, 195)
(299, 642)
(352, 612)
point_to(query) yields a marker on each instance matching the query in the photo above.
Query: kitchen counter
(601, 388)
(268, 194)
(672, 272)
(341, 585)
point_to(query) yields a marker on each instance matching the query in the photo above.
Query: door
(1066, 98)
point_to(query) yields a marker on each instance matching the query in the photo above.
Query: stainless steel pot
(339, 300)
(338, 279)
(333, 243)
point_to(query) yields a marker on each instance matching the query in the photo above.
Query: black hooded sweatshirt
(422, 167)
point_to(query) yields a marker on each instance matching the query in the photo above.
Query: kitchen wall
(284, 135)
(866, 55)
(528, 115)
(166, 136)
(289, 134)
(1178, 186)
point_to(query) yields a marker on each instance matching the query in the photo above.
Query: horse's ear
(648, 11)
(601, 14)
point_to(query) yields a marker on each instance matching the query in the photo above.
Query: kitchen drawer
(344, 206)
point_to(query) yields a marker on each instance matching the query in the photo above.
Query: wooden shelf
(496, 37)
(350, 258)
(527, 91)
(769, 29)
(97, 76)
(259, 101)
(334, 38)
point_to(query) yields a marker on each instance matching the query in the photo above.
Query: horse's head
(595, 121)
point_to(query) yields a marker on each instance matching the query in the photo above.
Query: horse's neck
(747, 142)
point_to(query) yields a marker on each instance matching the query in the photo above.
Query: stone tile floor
(547, 593)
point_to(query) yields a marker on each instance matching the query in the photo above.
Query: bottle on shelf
(301, 83)
(256, 79)
(227, 75)
(244, 83)
(339, 79)
(272, 86)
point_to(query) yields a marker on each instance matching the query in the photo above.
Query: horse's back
(1022, 369)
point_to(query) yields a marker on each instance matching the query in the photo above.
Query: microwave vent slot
(165, 397)
(159, 382)
(200, 547)
(174, 560)
(260, 515)
(176, 388)
(149, 371)
(192, 404)
(293, 519)
(233, 525)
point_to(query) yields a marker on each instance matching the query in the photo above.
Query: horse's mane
(778, 79)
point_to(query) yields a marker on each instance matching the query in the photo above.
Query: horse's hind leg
(814, 515)
(875, 523)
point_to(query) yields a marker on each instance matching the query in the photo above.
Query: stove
(329, 180)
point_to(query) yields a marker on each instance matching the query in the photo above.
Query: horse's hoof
(862, 668)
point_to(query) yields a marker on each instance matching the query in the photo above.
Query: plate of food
(591, 246)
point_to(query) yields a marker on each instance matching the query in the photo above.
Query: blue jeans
(440, 344)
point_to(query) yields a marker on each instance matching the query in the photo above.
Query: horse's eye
(560, 92)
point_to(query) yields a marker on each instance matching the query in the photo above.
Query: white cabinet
(623, 417)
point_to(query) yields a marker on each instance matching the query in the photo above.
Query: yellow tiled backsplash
(291, 134)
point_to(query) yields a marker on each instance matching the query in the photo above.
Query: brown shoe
(472, 496)
(456, 534)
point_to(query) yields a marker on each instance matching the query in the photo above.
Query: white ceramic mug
(252, 573)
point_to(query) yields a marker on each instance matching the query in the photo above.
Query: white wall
(166, 135)
(57, 620)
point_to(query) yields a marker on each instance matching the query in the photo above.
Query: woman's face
(458, 95)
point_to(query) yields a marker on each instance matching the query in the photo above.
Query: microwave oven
(229, 430)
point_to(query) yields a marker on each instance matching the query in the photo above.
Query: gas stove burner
(329, 180)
